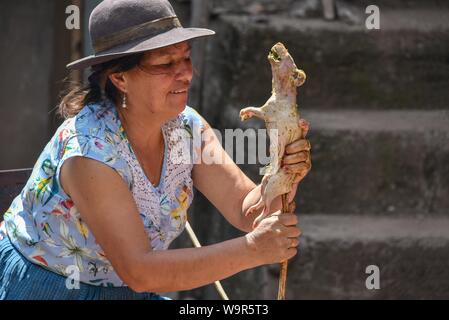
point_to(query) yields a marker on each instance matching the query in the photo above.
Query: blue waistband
(21, 279)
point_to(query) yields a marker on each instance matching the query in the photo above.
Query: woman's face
(159, 84)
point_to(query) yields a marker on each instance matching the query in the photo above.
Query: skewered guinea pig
(281, 116)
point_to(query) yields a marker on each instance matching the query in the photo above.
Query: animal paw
(258, 220)
(245, 114)
(249, 211)
(255, 207)
(260, 217)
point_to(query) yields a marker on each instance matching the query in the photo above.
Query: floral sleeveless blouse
(46, 227)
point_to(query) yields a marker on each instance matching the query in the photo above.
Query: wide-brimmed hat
(121, 27)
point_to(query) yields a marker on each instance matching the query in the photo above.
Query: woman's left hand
(297, 159)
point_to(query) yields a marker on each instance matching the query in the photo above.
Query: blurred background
(377, 101)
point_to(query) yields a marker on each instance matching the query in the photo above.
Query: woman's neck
(142, 132)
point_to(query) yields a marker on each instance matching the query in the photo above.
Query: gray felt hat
(121, 27)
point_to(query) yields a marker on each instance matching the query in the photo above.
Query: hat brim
(170, 37)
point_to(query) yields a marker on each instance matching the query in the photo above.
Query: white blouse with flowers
(44, 224)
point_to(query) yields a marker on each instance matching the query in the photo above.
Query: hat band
(150, 28)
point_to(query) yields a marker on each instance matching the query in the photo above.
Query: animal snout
(278, 52)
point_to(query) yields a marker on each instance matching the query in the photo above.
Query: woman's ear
(119, 81)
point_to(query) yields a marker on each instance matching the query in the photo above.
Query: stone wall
(379, 110)
(25, 81)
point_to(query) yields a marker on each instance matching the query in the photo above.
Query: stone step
(404, 65)
(372, 162)
(378, 162)
(334, 252)
(399, 4)
(313, 6)
(412, 256)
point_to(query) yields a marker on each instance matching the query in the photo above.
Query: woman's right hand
(275, 238)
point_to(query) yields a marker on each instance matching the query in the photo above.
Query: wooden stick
(197, 244)
(286, 208)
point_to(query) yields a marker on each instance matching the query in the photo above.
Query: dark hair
(98, 87)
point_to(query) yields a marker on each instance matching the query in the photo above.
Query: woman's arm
(222, 182)
(109, 210)
(230, 190)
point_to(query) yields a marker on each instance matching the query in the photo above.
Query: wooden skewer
(197, 244)
(286, 208)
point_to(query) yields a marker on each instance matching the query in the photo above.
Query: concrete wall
(378, 106)
(27, 55)
(34, 51)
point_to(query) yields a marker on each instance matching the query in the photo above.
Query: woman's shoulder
(96, 120)
(192, 119)
(190, 112)
(94, 129)
(93, 133)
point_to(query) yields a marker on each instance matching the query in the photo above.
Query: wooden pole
(197, 244)
(286, 208)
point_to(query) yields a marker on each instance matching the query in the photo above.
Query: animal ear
(299, 77)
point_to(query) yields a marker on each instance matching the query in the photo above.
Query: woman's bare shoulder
(89, 173)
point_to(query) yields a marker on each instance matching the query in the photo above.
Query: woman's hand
(297, 159)
(275, 238)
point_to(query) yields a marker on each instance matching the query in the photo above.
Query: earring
(124, 106)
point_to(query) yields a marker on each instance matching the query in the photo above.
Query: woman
(109, 193)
